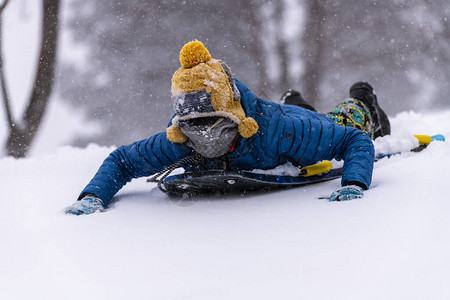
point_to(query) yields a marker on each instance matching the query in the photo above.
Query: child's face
(210, 136)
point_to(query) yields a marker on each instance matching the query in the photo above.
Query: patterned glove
(348, 192)
(88, 205)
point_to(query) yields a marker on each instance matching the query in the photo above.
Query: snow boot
(363, 91)
(293, 97)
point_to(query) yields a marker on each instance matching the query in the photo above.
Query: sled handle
(423, 139)
(427, 139)
(319, 168)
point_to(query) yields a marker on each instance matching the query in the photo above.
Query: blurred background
(113, 63)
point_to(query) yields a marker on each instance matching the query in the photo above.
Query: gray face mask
(210, 136)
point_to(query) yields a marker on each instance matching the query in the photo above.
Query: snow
(211, 83)
(391, 144)
(288, 169)
(391, 244)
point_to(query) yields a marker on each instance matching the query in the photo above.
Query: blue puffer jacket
(286, 133)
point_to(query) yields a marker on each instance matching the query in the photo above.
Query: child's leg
(293, 97)
(364, 92)
(353, 113)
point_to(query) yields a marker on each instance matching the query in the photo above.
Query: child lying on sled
(219, 118)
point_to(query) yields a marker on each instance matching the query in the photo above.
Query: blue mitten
(348, 192)
(88, 205)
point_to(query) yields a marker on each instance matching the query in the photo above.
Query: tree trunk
(282, 49)
(314, 43)
(251, 11)
(21, 135)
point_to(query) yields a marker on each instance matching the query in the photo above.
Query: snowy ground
(392, 244)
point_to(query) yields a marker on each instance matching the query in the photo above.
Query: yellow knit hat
(205, 87)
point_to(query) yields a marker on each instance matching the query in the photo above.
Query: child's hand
(88, 205)
(348, 192)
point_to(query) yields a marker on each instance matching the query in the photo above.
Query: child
(219, 118)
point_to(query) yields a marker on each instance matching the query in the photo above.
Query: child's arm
(139, 159)
(311, 140)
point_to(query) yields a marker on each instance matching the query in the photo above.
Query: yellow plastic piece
(423, 139)
(318, 168)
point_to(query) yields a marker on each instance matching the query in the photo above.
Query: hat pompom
(174, 134)
(194, 53)
(248, 127)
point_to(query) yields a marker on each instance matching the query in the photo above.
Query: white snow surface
(392, 244)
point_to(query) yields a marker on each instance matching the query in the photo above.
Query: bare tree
(252, 12)
(314, 44)
(4, 87)
(282, 47)
(267, 20)
(22, 132)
